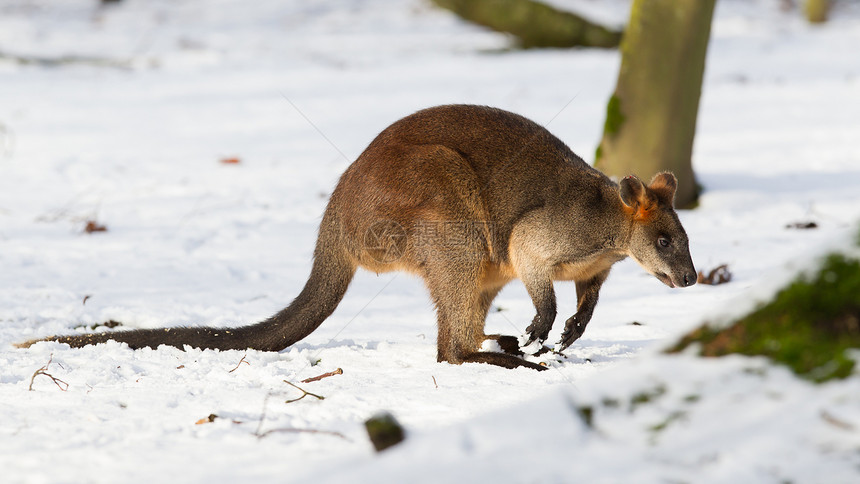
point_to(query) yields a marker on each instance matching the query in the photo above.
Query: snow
(129, 130)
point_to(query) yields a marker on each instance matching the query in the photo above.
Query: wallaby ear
(637, 198)
(664, 185)
(632, 190)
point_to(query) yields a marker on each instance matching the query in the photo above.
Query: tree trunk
(816, 10)
(651, 117)
(534, 24)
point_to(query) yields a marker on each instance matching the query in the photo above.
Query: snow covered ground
(121, 115)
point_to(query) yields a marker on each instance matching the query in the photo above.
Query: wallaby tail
(331, 274)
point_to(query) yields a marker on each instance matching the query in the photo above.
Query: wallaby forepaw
(573, 329)
(537, 331)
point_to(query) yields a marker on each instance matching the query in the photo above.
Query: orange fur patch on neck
(644, 214)
(641, 213)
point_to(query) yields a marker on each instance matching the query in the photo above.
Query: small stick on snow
(44, 371)
(434, 381)
(262, 415)
(304, 431)
(240, 363)
(304, 393)
(260, 434)
(836, 422)
(339, 371)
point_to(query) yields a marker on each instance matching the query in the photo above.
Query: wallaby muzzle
(680, 279)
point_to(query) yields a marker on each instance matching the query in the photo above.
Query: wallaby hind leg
(458, 310)
(460, 315)
(508, 344)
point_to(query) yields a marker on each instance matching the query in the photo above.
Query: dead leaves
(802, 225)
(205, 420)
(718, 275)
(92, 227)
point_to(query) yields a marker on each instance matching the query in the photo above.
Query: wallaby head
(658, 242)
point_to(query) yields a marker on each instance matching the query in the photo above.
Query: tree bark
(651, 117)
(534, 24)
(816, 10)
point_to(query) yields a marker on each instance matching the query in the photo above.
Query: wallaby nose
(689, 279)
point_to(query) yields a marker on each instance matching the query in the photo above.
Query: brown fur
(469, 198)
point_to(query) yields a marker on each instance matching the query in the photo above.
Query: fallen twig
(65, 60)
(44, 371)
(260, 434)
(262, 415)
(339, 371)
(7, 142)
(240, 363)
(836, 422)
(304, 393)
(802, 225)
(303, 431)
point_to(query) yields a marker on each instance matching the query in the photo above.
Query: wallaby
(469, 198)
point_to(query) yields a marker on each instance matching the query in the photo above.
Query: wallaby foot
(501, 359)
(511, 345)
(508, 344)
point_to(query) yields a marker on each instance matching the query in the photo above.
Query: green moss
(646, 396)
(664, 424)
(586, 413)
(810, 326)
(534, 24)
(384, 431)
(692, 398)
(614, 117)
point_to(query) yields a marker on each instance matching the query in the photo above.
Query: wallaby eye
(663, 242)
